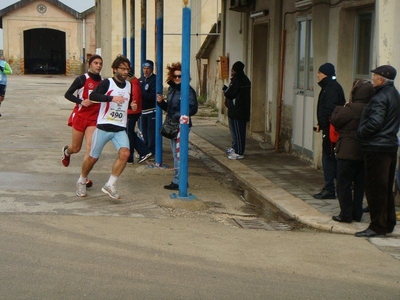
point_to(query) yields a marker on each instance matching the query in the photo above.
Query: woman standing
(350, 159)
(173, 108)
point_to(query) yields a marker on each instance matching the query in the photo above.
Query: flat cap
(385, 71)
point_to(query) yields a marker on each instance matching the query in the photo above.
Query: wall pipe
(124, 23)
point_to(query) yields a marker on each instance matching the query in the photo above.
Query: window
(363, 46)
(305, 56)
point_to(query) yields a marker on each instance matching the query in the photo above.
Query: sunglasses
(177, 76)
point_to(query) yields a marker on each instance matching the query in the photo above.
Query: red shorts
(80, 124)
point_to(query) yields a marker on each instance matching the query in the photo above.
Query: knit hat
(386, 71)
(148, 63)
(328, 69)
(238, 66)
(93, 57)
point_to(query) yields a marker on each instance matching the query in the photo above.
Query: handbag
(169, 128)
(333, 134)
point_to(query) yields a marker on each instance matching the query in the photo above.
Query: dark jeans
(232, 132)
(329, 168)
(148, 125)
(380, 168)
(135, 143)
(239, 131)
(350, 173)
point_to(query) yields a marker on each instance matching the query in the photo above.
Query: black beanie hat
(328, 69)
(238, 66)
(93, 57)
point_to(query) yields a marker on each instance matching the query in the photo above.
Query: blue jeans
(135, 143)
(148, 122)
(176, 162)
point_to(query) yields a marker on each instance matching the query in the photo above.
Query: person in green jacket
(5, 70)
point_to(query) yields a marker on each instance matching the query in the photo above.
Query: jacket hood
(362, 91)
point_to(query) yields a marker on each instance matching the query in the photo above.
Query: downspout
(84, 43)
(124, 22)
(132, 31)
(281, 78)
(143, 19)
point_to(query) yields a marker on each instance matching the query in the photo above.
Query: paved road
(55, 245)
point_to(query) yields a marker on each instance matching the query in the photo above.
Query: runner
(114, 94)
(84, 115)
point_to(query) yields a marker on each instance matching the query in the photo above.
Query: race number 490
(117, 115)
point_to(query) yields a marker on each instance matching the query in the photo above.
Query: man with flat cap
(377, 131)
(330, 96)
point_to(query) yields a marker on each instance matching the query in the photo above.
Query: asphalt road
(55, 245)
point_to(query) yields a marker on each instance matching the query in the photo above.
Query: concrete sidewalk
(284, 181)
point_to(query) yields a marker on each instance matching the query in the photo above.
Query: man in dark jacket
(331, 95)
(238, 96)
(378, 129)
(148, 118)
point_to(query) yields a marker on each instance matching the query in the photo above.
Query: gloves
(1, 69)
(224, 88)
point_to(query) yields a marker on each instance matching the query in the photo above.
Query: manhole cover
(261, 224)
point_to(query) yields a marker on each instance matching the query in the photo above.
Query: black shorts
(2, 90)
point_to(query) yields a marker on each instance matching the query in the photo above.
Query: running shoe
(145, 157)
(89, 183)
(65, 157)
(111, 190)
(229, 150)
(80, 189)
(235, 156)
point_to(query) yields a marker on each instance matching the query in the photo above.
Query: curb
(274, 195)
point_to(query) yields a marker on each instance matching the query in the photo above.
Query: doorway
(259, 115)
(44, 51)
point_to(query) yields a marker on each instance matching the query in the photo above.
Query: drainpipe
(124, 45)
(159, 78)
(84, 43)
(281, 78)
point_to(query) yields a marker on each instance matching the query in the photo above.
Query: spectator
(350, 159)
(148, 119)
(378, 129)
(330, 96)
(135, 143)
(238, 104)
(173, 108)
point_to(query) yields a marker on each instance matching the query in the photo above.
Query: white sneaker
(229, 150)
(81, 189)
(233, 155)
(111, 190)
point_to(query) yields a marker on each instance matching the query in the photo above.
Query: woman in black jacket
(173, 108)
(350, 159)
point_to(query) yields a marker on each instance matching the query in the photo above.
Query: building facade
(282, 44)
(47, 37)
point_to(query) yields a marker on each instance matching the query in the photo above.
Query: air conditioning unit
(302, 3)
(241, 5)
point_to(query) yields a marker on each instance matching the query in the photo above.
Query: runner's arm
(77, 84)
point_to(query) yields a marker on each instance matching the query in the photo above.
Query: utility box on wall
(224, 67)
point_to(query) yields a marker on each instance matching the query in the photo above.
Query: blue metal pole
(184, 133)
(132, 39)
(159, 78)
(124, 45)
(143, 9)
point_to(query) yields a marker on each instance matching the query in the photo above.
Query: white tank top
(111, 112)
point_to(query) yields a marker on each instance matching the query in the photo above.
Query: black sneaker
(172, 186)
(145, 157)
(324, 194)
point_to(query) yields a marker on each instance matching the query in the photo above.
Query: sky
(78, 5)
